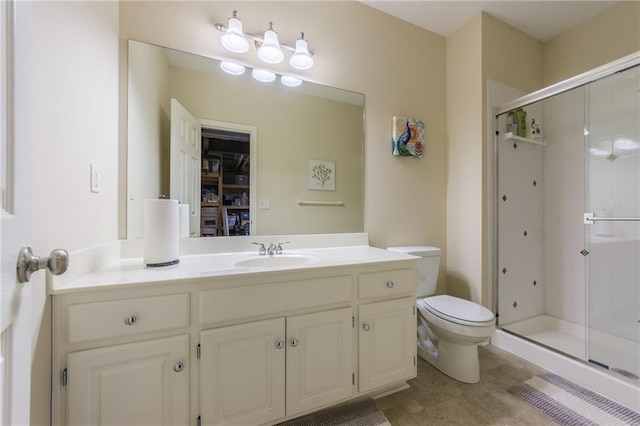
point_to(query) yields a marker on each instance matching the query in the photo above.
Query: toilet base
(460, 362)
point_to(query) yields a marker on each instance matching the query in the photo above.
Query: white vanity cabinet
(261, 371)
(387, 329)
(134, 384)
(121, 360)
(244, 349)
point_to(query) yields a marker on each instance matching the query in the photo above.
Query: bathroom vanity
(231, 338)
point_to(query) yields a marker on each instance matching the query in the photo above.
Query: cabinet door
(387, 343)
(242, 371)
(134, 384)
(319, 359)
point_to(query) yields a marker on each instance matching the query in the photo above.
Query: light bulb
(233, 39)
(290, 81)
(263, 75)
(270, 51)
(232, 68)
(301, 58)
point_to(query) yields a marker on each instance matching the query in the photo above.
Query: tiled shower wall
(544, 271)
(520, 228)
(564, 264)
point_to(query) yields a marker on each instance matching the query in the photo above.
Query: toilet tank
(427, 266)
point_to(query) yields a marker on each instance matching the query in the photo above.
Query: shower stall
(567, 226)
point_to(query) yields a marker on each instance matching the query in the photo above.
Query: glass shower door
(612, 224)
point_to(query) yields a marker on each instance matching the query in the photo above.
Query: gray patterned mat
(363, 412)
(573, 405)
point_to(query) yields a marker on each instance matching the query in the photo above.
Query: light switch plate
(263, 203)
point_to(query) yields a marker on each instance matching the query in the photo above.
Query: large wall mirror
(255, 148)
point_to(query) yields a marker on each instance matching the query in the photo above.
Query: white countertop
(111, 271)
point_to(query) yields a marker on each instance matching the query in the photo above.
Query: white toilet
(449, 328)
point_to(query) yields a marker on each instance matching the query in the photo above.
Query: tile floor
(435, 399)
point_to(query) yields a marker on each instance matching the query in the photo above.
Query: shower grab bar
(590, 219)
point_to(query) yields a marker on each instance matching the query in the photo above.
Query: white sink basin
(276, 261)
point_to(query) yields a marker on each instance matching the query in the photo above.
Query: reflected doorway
(227, 180)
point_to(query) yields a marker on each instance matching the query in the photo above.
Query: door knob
(57, 263)
(366, 327)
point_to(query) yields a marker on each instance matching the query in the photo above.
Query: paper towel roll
(183, 220)
(161, 241)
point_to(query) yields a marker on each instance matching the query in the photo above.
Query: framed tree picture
(322, 175)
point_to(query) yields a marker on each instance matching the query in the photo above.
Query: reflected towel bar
(320, 203)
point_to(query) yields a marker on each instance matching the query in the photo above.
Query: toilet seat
(458, 311)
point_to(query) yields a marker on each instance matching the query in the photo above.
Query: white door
(319, 359)
(242, 370)
(17, 135)
(387, 343)
(143, 383)
(184, 181)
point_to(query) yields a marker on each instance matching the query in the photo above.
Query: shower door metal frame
(579, 80)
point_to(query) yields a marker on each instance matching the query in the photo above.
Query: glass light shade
(263, 75)
(290, 81)
(232, 68)
(301, 58)
(233, 39)
(270, 51)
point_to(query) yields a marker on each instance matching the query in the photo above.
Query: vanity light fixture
(269, 48)
(287, 80)
(301, 58)
(270, 51)
(263, 76)
(233, 38)
(232, 68)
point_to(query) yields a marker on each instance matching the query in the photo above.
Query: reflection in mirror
(258, 144)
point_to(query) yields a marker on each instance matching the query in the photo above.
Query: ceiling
(540, 19)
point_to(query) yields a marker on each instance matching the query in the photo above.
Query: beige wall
(484, 48)
(611, 34)
(75, 123)
(404, 198)
(464, 159)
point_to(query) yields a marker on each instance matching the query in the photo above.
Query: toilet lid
(454, 308)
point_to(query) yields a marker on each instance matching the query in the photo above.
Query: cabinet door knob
(130, 320)
(390, 284)
(366, 327)
(279, 344)
(178, 367)
(294, 343)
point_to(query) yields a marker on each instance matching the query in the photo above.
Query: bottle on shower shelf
(535, 130)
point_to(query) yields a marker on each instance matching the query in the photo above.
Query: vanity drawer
(386, 283)
(249, 301)
(91, 321)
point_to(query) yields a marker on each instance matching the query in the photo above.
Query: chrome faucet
(261, 250)
(273, 249)
(278, 247)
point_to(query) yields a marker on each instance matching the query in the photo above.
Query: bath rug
(573, 405)
(363, 412)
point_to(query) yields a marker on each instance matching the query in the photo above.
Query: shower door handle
(590, 219)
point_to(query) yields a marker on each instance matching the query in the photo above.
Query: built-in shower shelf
(511, 136)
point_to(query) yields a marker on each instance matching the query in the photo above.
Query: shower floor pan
(619, 354)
